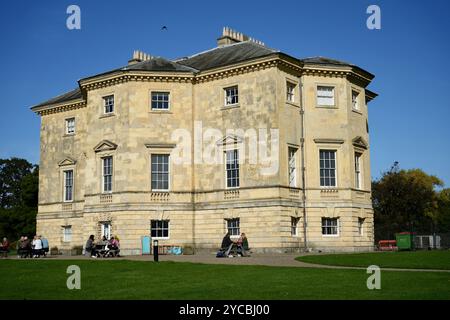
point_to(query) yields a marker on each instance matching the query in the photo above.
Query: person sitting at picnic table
(114, 244)
(90, 247)
(242, 245)
(227, 244)
(4, 248)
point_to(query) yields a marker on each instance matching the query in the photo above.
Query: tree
(19, 184)
(405, 200)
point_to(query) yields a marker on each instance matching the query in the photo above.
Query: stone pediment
(67, 162)
(105, 145)
(360, 142)
(229, 140)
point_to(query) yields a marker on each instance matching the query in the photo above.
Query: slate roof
(68, 96)
(214, 58)
(229, 54)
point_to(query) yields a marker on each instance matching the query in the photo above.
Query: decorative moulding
(67, 162)
(229, 140)
(329, 140)
(360, 142)
(105, 145)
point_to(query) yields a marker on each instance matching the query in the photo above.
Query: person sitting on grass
(4, 248)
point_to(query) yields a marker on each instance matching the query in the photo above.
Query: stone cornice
(56, 108)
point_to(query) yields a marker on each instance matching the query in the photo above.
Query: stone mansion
(238, 138)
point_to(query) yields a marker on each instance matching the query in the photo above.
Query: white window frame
(337, 227)
(160, 93)
(106, 231)
(290, 94)
(235, 95)
(294, 226)
(355, 100)
(111, 174)
(320, 95)
(238, 178)
(161, 228)
(361, 226)
(235, 231)
(65, 186)
(335, 169)
(106, 99)
(292, 171)
(358, 171)
(70, 126)
(168, 172)
(67, 233)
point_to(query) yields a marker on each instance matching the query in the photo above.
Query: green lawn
(401, 259)
(122, 279)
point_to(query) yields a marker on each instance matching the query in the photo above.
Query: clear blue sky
(409, 121)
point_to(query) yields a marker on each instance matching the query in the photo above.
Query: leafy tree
(405, 200)
(19, 184)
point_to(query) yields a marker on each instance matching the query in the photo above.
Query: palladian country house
(238, 138)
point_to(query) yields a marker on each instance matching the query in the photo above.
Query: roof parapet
(230, 36)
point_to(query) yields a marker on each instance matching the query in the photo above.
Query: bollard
(155, 251)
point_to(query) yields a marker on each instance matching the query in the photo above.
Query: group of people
(239, 247)
(103, 248)
(32, 248)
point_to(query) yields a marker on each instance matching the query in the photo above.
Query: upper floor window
(70, 126)
(358, 183)
(160, 172)
(355, 104)
(292, 161)
(68, 185)
(290, 91)
(325, 96)
(159, 228)
(232, 168)
(330, 226)
(160, 100)
(327, 168)
(108, 103)
(107, 174)
(231, 96)
(233, 226)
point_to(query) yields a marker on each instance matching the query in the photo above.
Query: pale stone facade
(198, 202)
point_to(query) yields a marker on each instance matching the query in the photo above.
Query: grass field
(122, 279)
(405, 259)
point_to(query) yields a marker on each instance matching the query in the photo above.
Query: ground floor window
(106, 230)
(294, 226)
(159, 228)
(67, 233)
(360, 226)
(233, 226)
(330, 226)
